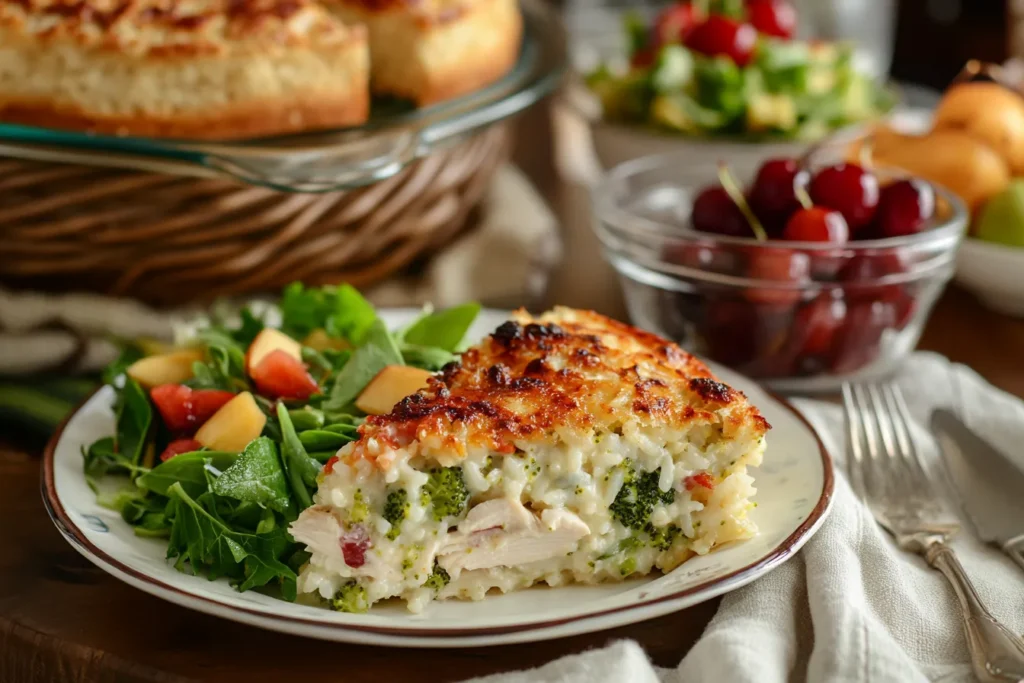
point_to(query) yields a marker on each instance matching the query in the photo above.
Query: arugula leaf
(134, 417)
(225, 365)
(256, 476)
(210, 547)
(341, 311)
(379, 351)
(299, 468)
(444, 329)
(186, 469)
(250, 326)
(426, 357)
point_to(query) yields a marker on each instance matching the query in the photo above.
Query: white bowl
(993, 273)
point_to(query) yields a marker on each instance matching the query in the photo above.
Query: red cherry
(849, 189)
(905, 207)
(859, 341)
(773, 195)
(720, 35)
(715, 212)
(864, 270)
(773, 17)
(675, 23)
(782, 266)
(818, 322)
(705, 257)
(816, 224)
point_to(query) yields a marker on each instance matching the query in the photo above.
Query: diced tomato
(206, 402)
(178, 447)
(279, 375)
(183, 409)
(174, 401)
(702, 479)
(329, 465)
(354, 544)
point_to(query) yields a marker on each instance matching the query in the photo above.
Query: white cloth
(850, 606)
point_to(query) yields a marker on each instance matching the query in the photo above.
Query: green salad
(220, 442)
(734, 70)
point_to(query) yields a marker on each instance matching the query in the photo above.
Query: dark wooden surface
(64, 621)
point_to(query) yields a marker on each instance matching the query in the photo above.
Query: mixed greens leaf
(233, 473)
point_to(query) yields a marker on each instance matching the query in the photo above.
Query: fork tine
(898, 406)
(854, 429)
(889, 425)
(877, 481)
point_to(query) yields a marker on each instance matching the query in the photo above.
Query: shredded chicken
(503, 533)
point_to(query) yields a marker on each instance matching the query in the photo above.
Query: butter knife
(990, 487)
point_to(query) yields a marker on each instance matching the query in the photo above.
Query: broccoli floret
(351, 597)
(636, 499)
(396, 509)
(447, 493)
(628, 566)
(438, 579)
(662, 537)
(359, 511)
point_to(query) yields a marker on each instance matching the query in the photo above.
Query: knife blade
(990, 487)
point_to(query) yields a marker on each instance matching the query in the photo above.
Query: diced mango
(390, 386)
(268, 341)
(167, 368)
(231, 428)
(319, 339)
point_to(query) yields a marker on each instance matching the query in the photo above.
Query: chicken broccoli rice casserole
(565, 448)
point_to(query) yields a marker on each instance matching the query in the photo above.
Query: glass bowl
(799, 316)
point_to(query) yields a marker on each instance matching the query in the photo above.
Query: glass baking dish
(396, 134)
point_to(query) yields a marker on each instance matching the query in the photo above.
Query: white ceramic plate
(794, 494)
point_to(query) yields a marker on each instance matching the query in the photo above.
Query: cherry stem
(800, 192)
(732, 188)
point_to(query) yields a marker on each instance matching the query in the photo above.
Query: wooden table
(64, 621)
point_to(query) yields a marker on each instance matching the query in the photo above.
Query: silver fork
(887, 472)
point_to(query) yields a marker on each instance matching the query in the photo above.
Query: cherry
(864, 270)
(778, 265)
(773, 194)
(715, 212)
(706, 257)
(816, 224)
(859, 340)
(849, 189)
(729, 331)
(904, 208)
(773, 17)
(675, 23)
(818, 322)
(720, 35)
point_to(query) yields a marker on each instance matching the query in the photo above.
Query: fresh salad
(733, 68)
(220, 442)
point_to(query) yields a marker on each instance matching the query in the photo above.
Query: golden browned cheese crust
(568, 369)
(208, 69)
(433, 50)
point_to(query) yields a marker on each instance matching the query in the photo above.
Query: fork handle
(1015, 549)
(997, 654)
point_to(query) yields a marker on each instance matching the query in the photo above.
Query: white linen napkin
(850, 606)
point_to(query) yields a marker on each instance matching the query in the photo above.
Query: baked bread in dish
(199, 69)
(433, 50)
(567, 448)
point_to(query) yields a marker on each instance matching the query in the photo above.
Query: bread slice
(195, 69)
(566, 448)
(428, 51)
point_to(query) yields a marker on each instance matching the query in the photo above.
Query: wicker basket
(171, 240)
